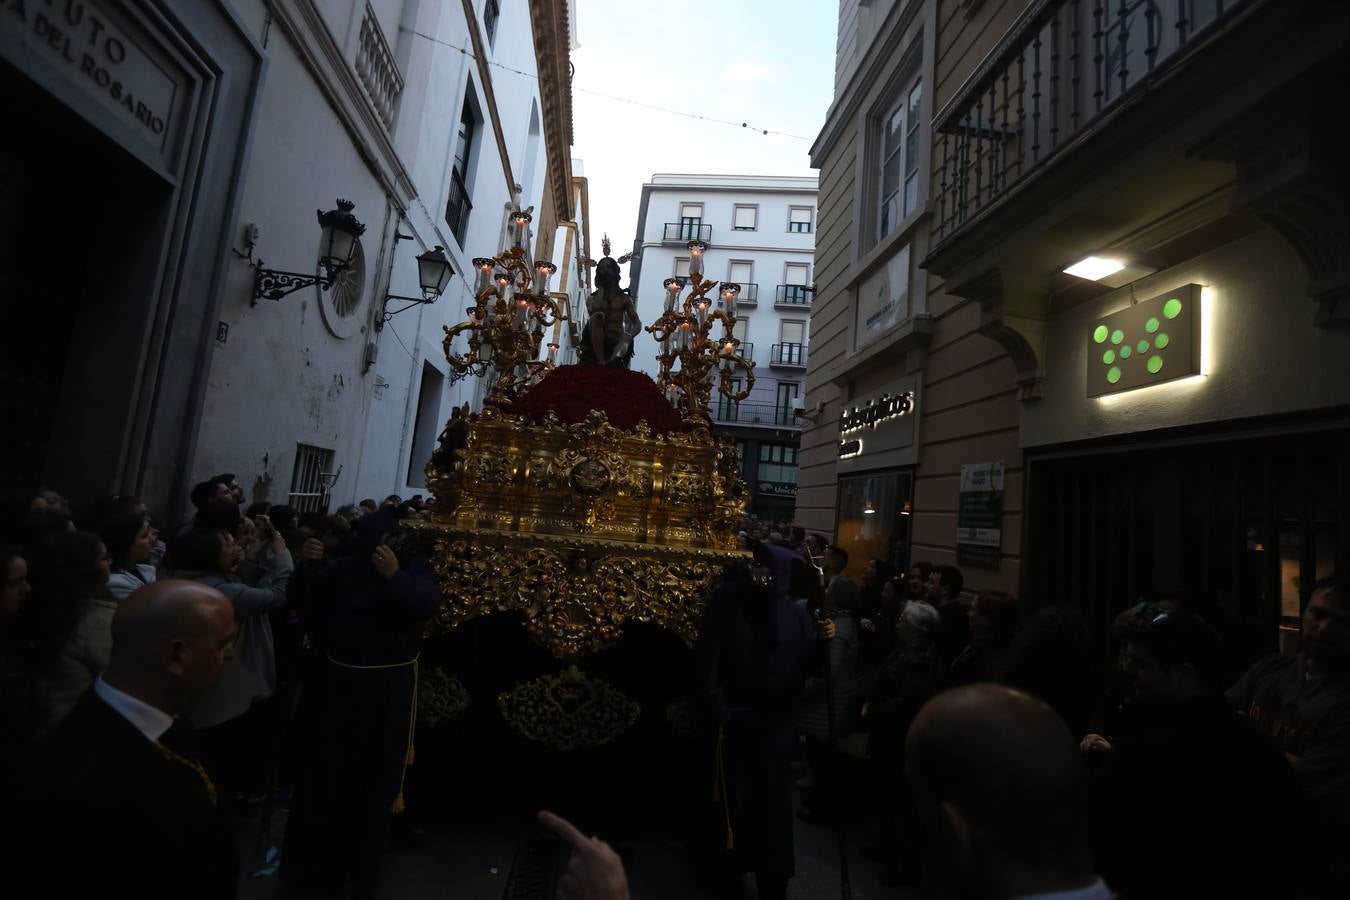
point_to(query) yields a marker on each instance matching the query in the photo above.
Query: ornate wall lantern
(337, 246)
(433, 274)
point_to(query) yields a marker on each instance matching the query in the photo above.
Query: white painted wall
(1261, 353)
(768, 248)
(284, 376)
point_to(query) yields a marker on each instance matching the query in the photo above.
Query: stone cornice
(914, 332)
(548, 20)
(480, 56)
(336, 77)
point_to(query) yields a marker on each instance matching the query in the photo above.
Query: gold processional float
(582, 500)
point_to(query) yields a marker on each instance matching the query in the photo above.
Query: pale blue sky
(766, 62)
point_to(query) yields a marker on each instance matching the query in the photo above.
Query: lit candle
(730, 291)
(520, 228)
(552, 353)
(504, 286)
(701, 309)
(673, 287)
(696, 249)
(686, 334)
(522, 313)
(484, 267)
(544, 269)
(729, 348)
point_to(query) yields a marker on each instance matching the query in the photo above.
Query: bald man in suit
(116, 804)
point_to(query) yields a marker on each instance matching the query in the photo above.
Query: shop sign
(979, 516)
(1147, 343)
(778, 488)
(879, 430)
(101, 58)
(874, 412)
(850, 448)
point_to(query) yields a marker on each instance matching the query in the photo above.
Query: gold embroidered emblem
(568, 711)
(441, 697)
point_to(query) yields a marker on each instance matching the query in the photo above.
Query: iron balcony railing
(766, 414)
(746, 351)
(457, 206)
(1065, 64)
(679, 232)
(793, 295)
(749, 295)
(788, 355)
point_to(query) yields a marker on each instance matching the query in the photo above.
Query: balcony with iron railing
(766, 415)
(793, 296)
(457, 206)
(1058, 73)
(787, 356)
(683, 232)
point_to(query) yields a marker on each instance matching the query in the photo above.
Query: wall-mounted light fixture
(1109, 271)
(337, 244)
(433, 274)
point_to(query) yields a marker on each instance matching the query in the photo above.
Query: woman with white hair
(910, 675)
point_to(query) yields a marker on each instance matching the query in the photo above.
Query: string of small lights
(665, 109)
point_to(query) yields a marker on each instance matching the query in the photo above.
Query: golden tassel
(398, 805)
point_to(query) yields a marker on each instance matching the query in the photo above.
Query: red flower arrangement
(627, 398)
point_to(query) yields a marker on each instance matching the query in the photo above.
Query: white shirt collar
(1096, 891)
(148, 720)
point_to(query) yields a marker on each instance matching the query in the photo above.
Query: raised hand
(594, 871)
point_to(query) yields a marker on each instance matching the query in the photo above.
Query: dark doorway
(1239, 527)
(80, 234)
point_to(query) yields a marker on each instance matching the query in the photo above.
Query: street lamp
(337, 246)
(340, 231)
(433, 274)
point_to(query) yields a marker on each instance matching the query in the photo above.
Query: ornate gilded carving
(440, 697)
(575, 595)
(591, 477)
(568, 711)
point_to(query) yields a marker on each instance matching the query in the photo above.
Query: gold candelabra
(684, 334)
(506, 324)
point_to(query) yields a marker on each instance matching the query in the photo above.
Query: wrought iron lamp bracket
(411, 302)
(273, 284)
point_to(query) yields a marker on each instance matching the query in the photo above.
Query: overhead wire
(615, 97)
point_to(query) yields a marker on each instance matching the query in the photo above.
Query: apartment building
(1135, 285)
(760, 234)
(862, 464)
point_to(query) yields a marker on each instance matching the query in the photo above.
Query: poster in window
(979, 516)
(883, 299)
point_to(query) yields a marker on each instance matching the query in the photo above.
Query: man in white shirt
(1001, 790)
(115, 804)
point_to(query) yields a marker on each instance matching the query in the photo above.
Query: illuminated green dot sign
(1139, 352)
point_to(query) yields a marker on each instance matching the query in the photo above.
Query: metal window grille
(311, 479)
